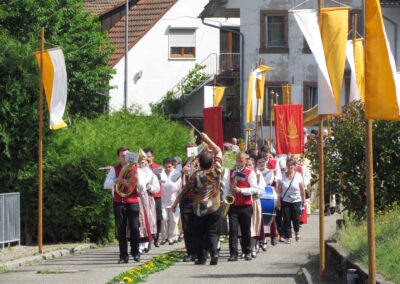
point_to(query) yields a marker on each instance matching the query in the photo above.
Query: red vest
(271, 164)
(133, 198)
(240, 199)
(158, 194)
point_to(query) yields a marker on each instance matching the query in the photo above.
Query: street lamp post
(126, 55)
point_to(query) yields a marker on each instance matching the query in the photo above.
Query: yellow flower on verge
(132, 271)
(127, 279)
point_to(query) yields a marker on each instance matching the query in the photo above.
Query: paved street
(280, 264)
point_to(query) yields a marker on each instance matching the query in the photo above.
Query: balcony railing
(229, 62)
(214, 64)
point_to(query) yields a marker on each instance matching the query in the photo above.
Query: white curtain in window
(182, 37)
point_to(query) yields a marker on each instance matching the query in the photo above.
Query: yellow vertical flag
(255, 92)
(382, 83)
(55, 85)
(261, 92)
(249, 112)
(218, 94)
(334, 30)
(359, 63)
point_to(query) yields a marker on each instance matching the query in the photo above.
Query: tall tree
(86, 51)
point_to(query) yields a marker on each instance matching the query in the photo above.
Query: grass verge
(155, 264)
(354, 238)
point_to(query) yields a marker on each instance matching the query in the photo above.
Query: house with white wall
(272, 37)
(166, 40)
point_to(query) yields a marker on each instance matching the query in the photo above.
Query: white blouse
(293, 194)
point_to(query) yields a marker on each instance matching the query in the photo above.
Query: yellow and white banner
(382, 82)
(213, 95)
(255, 91)
(328, 45)
(55, 85)
(355, 58)
(218, 94)
(334, 32)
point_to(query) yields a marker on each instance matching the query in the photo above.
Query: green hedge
(76, 207)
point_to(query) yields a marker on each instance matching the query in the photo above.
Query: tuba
(125, 173)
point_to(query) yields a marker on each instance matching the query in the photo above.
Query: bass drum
(268, 203)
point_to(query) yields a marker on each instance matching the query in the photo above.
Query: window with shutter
(182, 43)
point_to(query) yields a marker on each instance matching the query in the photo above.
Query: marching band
(253, 200)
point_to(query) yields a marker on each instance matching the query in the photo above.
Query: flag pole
(262, 126)
(369, 181)
(271, 107)
(256, 130)
(40, 164)
(321, 182)
(370, 205)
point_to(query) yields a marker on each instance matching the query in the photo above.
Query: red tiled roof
(142, 17)
(100, 7)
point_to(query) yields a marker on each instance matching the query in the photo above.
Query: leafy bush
(76, 207)
(173, 99)
(345, 160)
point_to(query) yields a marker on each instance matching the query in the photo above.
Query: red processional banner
(289, 129)
(213, 125)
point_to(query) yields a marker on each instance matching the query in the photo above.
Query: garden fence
(9, 218)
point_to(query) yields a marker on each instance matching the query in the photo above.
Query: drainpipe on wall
(241, 92)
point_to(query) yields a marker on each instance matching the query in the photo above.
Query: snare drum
(268, 202)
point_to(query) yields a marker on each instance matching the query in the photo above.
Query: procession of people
(260, 199)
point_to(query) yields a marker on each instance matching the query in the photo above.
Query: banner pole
(321, 181)
(256, 130)
(370, 205)
(271, 107)
(262, 128)
(40, 153)
(321, 198)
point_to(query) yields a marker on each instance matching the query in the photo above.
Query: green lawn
(387, 233)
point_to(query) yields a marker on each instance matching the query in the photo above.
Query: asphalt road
(279, 264)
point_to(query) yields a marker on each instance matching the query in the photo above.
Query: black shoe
(187, 258)
(136, 258)
(248, 256)
(200, 262)
(274, 241)
(156, 244)
(233, 258)
(123, 260)
(214, 260)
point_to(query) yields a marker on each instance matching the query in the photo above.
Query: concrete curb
(338, 257)
(14, 264)
(307, 275)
